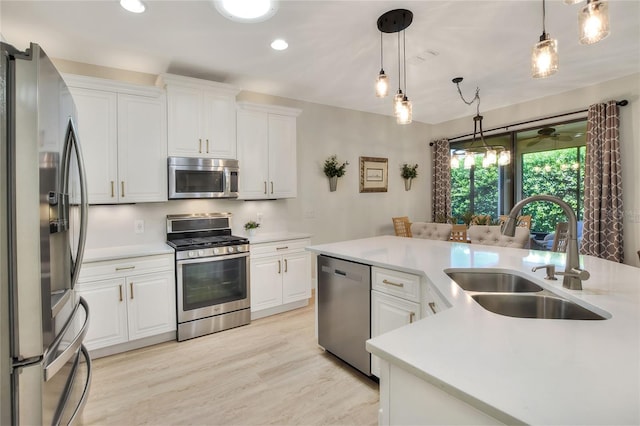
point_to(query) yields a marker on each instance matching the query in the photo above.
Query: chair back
(402, 226)
(560, 239)
(491, 236)
(524, 221)
(431, 231)
(459, 233)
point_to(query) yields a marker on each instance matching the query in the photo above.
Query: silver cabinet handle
(131, 288)
(122, 187)
(282, 248)
(285, 265)
(272, 187)
(432, 305)
(207, 146)
(113, 189)
(392, 283)
(412, 316)
(265, 186)
(200, 146)
(279, 267)
(120, 287)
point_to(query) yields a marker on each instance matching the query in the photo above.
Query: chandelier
(396, 21)
(491, 154)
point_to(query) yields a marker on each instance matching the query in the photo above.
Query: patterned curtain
(441, 182)
(602, 235)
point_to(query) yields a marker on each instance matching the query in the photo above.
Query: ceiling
(334, 47)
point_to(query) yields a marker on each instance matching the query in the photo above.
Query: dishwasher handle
(342, 274)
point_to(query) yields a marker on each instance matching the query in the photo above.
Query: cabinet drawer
(432, 301)
(124, 267)
(280, 247)
(396, 283)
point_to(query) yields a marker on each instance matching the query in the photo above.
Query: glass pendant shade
(593, 22)
(504, 158)
(469, 160)
(397, 103)
(544, 58)
(382, 85)
(406, 112)
(490, 157)
(455, 163)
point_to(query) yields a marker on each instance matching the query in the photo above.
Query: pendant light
(593, 21)
(544, 58)
(382, 83)
(391, 22)
(405, 114)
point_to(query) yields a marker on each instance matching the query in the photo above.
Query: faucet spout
(571, 280)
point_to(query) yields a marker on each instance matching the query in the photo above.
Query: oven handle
(212, 258)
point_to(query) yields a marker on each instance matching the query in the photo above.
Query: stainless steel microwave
(202, 178)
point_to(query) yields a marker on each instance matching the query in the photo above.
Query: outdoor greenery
(558, 172)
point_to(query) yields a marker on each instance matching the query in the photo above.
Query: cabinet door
(97, 131)
(142, 149)
(219, 126)
(389, 313)
(296, 278)
(282, 156)
(266, 282)
(107, 310)
(253, 151)
(184, 107)
(152, 304)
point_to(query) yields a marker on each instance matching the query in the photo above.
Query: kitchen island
(467, 363)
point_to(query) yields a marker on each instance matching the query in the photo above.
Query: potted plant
(251, 227)
(333, 170)
(408, 173)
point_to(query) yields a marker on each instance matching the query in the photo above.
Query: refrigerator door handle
(52, 366)
(85, 391)
(71, 142)
(65, 399)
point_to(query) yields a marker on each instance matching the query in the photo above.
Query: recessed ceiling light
(135, 6)
(247, 10)
(279, 44)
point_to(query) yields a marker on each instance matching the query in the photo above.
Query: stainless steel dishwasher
(344, 310)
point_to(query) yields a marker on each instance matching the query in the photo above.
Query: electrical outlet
(259, 216)
(138, 226)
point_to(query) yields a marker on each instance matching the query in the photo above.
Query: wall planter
(333, 170)
(408, 173)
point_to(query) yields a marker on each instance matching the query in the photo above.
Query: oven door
(212, 286)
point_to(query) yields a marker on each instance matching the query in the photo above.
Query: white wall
(328, 216)
(624, 88)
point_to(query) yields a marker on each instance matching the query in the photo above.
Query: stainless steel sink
(534, 306)
(498, 282)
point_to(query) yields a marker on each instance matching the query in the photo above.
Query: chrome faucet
(573, 275)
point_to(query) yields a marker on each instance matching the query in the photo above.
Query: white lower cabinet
(280, 275)
(398, 299)
(129, 300)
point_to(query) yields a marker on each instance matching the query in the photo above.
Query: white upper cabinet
(122, 131)
(267, 151)
(201, 117)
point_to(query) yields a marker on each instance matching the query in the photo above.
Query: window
(544, 160)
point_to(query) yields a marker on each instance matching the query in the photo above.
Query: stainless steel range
(212, 274)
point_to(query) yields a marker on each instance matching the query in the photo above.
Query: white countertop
(535, 371)
(123, 252)
(272, 237)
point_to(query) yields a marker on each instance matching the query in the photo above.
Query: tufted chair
(491, 236)
(431, 231)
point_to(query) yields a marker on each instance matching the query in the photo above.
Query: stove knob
(230, 249)
(192, 253)
(200, 252)
(216, 251)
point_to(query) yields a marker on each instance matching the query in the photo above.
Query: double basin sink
(515, 296)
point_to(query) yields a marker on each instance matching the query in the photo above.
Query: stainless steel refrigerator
(46, 371)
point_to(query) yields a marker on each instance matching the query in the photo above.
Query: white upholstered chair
(491, 236)
(431, 231)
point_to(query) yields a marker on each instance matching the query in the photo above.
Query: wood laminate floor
(269, 372)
